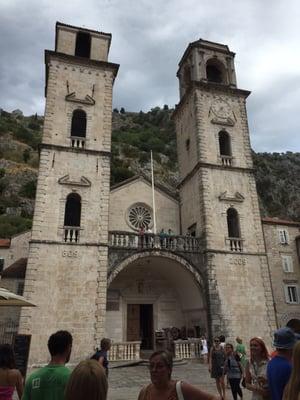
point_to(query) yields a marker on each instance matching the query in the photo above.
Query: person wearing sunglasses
(216, 366)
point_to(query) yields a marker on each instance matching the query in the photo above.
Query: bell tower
(67, 264)
(218, 191)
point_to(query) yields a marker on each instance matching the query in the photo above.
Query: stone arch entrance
(151, 292)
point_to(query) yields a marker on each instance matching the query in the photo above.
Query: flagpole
(153, 195)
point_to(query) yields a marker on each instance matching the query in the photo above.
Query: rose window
(139, 215)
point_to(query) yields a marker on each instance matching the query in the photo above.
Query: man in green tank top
(49, 382)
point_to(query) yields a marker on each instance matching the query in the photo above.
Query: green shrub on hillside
(11, 225)
(28, 189)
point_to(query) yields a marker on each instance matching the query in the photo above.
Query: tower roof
(206, 44)
(78, 28)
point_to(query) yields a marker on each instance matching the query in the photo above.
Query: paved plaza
(125, 383)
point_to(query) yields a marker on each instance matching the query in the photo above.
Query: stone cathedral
(89, 268)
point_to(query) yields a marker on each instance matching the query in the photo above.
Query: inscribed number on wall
(70, 253)
(238, 261)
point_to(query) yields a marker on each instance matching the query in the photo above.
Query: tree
(26, 155)
(122, 110)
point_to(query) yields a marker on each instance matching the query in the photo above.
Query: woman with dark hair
(256, 370)
(163, 387)
(233, 370)
(10, 377)
(216, 365)
(87, 382)
(292, 389)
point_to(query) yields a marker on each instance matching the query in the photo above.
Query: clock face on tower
(221, 112)
(221, 109)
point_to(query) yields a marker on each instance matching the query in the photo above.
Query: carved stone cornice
(65, 180)
(237, 198)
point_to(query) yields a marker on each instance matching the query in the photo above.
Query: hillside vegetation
(133, 136)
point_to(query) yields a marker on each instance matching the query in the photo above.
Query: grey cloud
(149, 39)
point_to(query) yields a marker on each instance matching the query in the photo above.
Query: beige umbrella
(8, 298)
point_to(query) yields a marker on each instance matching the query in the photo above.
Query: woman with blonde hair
(256, 370)
(87, 381)
(292, 389)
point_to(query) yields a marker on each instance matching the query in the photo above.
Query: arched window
(78, 127)
(224, 144)
(215, 71)
(73, 210)
(233, 223)
(83, 45)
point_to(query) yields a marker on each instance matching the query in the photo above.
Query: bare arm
(210, 360)
(254, 388)
(19, 384)
(192, 393)
(101, 360)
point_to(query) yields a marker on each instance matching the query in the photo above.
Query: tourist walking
(216, 366)
(241, 351)
(256, 370)
(292, 389)
(280, 367)
(50, 381)
(87, 382)
(101, 355)
(233, 370)
(204, 349)
(10, 377)
(163, 387)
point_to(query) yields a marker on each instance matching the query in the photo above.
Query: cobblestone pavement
(125, 383)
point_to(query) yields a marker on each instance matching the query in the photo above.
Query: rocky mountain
(133, 136)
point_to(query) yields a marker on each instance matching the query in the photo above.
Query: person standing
(204, 349)
(49, 382)
(87, 382)
(241, 351)
(292, 389)
(256, 370)
(163, 387)
(101, 355)
(216, 365)
(233, 370)
(10, 377)
(280, 367)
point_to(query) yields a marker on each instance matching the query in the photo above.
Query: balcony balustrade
(186, 349)
(125, 351)
(71, 234)
(77, 142)
(226, 160)
(235, 244)
(131, 240)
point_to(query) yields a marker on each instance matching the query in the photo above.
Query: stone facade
(219, 272)
(67, 265)
(217, 179)
(281, 238)
(139, 191)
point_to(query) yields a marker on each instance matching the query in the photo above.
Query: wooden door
(133, 322)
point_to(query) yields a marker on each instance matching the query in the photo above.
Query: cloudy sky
(149, 38)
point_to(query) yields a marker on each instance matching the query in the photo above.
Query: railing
(151, 241)
(78, 142)
(226, 160)
(190, 348)
(8, 330)
(235, 244)
(71, 234)
(125, 351)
